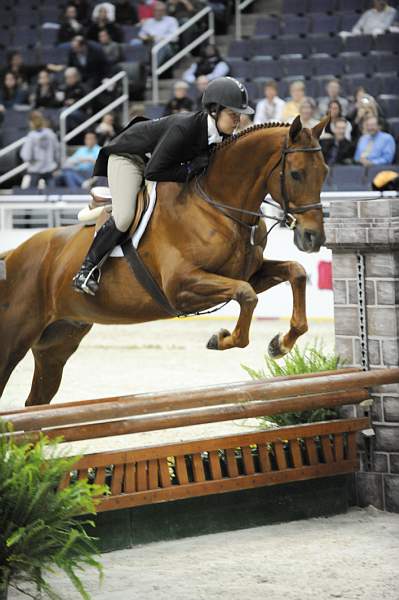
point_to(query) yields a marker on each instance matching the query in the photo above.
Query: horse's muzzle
(308, 240)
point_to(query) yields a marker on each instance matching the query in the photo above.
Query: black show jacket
(172, 142)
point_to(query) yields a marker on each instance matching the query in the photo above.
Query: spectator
(337, 149)
(103, 17)
(105, 130)
(245, 122)
(210, 64)
(183, 10)
(201, 84)
(11, 92)
(375, 21)
(89, 59)
(40, 150)
(157, 28)
(291, 108)
(24, 73)
(112, 50)
(145, 9)
(335, 111)
(374, 147)
(307, 110)
(333, 89)
(79, 166)
(125, 12)
(82, 8)
(71, 92)
(70, 25)
(45, 93)
(180, 101)
(365, 106)
(271, 107)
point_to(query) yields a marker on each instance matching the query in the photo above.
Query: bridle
(288, 219)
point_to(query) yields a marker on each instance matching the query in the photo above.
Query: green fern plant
(311, 359)
(38, 528)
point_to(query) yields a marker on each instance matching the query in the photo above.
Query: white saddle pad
(138, 234)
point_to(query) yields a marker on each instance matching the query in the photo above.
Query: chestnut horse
(197, 247)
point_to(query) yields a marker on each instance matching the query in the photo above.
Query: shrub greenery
(38, 529)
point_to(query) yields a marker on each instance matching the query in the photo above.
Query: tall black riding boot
(87, 279)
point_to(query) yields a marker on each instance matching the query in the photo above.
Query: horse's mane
(234, 138)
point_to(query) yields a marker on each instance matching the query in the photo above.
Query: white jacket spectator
(160, 26)
(376, 20)
(271, 107)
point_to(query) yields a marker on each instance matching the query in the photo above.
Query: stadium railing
(239, 7)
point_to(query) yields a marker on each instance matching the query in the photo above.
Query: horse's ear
(318, 129)
(295, 128)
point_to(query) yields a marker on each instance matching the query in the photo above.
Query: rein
(288, 219)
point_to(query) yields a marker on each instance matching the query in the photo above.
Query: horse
(201, 246)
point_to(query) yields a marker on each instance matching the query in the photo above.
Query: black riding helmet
(227, 92)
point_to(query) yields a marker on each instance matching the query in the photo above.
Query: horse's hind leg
(57, 343)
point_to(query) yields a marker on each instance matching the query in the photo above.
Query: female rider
(179, 147)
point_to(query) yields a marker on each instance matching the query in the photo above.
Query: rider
(179, 148)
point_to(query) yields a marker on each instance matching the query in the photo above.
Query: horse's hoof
(275, 348)
(213, 343)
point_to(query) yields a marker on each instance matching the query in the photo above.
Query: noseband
(288, 217)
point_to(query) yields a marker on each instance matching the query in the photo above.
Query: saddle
(100, 207)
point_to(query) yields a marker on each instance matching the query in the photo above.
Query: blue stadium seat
(136, 53)
(387, 83)
(326, 65)
(348, 20)
(294, 7)
(154, 111)
(372, 171)
(293, 24)
(320, 43)
(240, 68)
(385, 62)
(50, 14)
(356, 63)
(388, 42)
(349, 178)
(51, 54)
(351, 82)
(267, 26)
(296, 66)
(319, 83)
(130, 32)
(239, 49)
(322, 23)
(25, 36)
(253, 91)
(393, 124)
(6, 19)
(389, 104)
(264, 47)
(295, 45)
(265, 68)
(359, 43)
(321, 6)
(48, 36)
(26, 17)
(356, 5)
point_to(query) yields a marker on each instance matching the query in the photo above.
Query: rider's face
(227, 121)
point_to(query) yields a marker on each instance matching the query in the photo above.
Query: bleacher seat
(264, 67)
(386, 83)
(357, 63)
(267, 26)
(356, 5)
(294, 24)
(50, 14)
(393, 125)
(294, 7)
(359, 43)
(385, 62)
(264, 47)
(51, 54)
(389, 104)
(130, 32)
(136, 53)
(48, 36)
(296, 66)
(25, 36)
(155, 111)
(26, 17)
(239, 49)
(17, 119)
(388, 42)
(239, 68)
(322, 44)
(351, 82)
(322, 23)
(373, 170)
(295, 45)
(320, 6)
(350, 178)
(326, 65)
(348, 20)
(6, 20)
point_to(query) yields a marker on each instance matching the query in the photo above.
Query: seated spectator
(145, 9)
(41, 150)
(374, 147)
(70, 25)
(45, 93)
(307, 110)
(82, 9)
(334, 109)
(103, 17)
(158, 28)
(112, 50)
(365, 106)
(180, 101)
(79, 166)
(337, 149)
(25, 73)
(105, 130)
(291, 108)
(210, 64)
(183, 10)
(89, 59)
(271, 107)
(201, 84)
(71, 92)
(376, 20)
(333, 89)
(125, 12)
(11, 92)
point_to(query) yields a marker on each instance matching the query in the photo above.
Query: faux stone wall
(370, 228)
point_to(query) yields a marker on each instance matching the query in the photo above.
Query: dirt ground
(351, 556)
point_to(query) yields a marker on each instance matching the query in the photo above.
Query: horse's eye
(296, 175)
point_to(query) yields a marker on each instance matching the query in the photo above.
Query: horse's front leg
(204, 289)
(271, 273)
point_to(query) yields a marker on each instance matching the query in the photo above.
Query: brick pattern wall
(372, 229)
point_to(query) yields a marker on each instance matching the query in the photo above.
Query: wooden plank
(264, 458)
(327, 448)
(280, 455)
(181, 469)
(311, 451)
(339, 446)
(198, 468)
(352, 446)
(217, 443)
(164, 472)
(231, 462)
(191, 490)
(100, 476)
(296, 453)
(153, 474)
(65, 481)
(117, 479)
(214, 463)
(141, 476)
(248, 460)
(129, 483)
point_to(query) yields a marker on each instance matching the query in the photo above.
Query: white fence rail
(239, 7)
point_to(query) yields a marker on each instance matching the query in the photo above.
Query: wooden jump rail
(151, 474)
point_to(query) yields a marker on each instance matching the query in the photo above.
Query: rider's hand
(197, 165)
